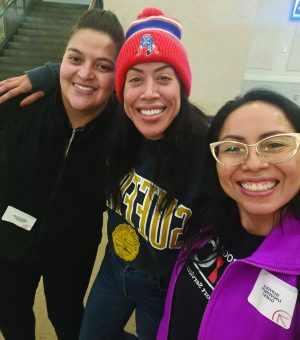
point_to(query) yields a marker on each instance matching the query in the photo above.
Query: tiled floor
(44, 329)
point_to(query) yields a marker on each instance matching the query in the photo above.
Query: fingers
(10, 94)
(21, 81)
(14, 86)
(32, 98)
(7, 84)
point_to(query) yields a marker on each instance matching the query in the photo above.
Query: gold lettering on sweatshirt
(140, 207)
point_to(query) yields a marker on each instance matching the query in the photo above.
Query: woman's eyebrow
(73, 49)
(262, 136)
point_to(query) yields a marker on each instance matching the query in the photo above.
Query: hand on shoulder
(14, 86)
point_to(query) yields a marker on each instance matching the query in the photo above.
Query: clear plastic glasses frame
(276, 149)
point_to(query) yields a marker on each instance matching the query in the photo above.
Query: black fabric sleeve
(45, 77)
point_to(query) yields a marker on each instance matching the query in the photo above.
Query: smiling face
(87, 75)
(152, 98)
(260, 189)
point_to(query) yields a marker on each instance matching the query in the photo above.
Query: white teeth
(258, 186)
(151, 112)
(84, 88)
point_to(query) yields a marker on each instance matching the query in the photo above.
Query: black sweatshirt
(54, 174)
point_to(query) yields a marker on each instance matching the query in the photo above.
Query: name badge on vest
(274, 298)
(18, 218)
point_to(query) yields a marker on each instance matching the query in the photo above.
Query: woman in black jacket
(52, 161)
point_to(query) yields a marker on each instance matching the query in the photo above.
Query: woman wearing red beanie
(154, 179)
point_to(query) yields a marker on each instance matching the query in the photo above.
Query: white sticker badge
(274, 298)
(18, 218)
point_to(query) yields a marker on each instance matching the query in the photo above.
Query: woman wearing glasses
(238, 274)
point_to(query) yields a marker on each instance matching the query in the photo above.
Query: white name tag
(274, 298)
(18, 218)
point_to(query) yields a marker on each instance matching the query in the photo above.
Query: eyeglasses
(274, 149)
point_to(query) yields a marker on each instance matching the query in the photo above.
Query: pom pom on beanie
(153, 37)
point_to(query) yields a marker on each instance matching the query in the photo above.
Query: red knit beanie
(153, 37)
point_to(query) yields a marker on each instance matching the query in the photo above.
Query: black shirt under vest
(198, 279)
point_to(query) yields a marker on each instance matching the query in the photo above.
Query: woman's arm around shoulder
(40, 81)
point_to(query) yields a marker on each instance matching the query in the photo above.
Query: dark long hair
(220, 208)
(180, 154)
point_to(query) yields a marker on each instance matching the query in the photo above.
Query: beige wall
(233, 45)
(274, 55)
(217, 35)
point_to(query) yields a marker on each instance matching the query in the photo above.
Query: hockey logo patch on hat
(147, 45)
